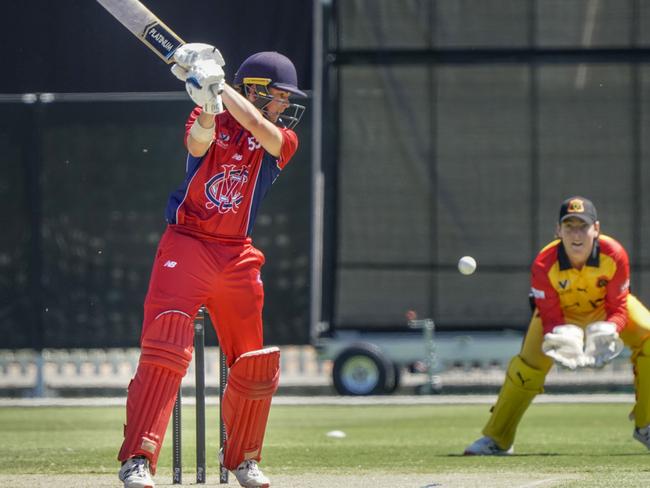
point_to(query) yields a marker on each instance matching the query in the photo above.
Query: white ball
(337, 434)
(467, 265)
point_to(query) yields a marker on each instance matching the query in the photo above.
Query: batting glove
(565, 346)
(188, 54)
(204, 82)
(602, 343)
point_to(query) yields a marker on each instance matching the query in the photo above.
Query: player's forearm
(616, 307)
(244, 112)
(198, 146)
(546, 300)
(266, 132)
(618, 289)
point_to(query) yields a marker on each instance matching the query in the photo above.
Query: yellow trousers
(527, 372)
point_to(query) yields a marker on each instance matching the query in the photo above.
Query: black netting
(107, 169)
(583, 23)
(417, 24)
(462, 154)
(15, 237)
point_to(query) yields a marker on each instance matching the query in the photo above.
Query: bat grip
(193, 81)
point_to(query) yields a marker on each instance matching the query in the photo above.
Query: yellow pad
(642, 384)
(522, 384)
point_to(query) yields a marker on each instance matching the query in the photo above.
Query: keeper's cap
(273, 66)
(579, 207)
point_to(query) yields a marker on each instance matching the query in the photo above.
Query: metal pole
(39, 387)
(433, 384)
(318, 180)
(199, 369)
(34, 189)
(223, 379)
(433, 379)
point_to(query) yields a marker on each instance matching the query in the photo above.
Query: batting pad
(166, 353)
(522, 384)
(252, 381)
(642, 386)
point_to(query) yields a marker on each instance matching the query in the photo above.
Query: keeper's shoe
(485, 446)
(249, 474)
(135, 473)
(642, 434)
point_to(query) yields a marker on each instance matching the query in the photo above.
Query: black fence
(458, 127)
(84, 185)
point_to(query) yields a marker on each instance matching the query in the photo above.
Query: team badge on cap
(579, 207)
(575, 205)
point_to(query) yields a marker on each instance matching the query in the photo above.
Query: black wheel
(362, 369)
(397, 376)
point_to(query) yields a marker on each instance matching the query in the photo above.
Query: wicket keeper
(584, 314)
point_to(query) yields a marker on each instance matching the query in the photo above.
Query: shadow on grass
(549, 454)
(544, 454)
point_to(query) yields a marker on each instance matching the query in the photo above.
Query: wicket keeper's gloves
(602, 343)
(565, 346)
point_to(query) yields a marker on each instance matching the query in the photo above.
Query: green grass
(593, 440)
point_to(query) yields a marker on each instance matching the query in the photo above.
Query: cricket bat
(145, 26)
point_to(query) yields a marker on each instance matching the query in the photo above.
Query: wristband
(200, 133)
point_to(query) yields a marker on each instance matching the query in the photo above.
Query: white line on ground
(537, 483)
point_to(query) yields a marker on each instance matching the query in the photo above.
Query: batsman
(239, 139)
(583, 316)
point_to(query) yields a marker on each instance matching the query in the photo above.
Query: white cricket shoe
(249, 474)
(485, 446)
(135, 473)
(642, 434)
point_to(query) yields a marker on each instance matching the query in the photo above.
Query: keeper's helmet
(270, 69)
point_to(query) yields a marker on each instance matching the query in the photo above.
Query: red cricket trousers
(222, 274)
(189, 271)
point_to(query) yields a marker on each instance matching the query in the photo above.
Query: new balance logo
(170, 264)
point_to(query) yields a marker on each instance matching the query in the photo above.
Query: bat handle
(218, 102)
(193, 81)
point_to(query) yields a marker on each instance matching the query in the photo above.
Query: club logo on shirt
(224, 190)
(601, 281)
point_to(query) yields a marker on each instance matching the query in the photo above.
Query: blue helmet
(278, 71)
(270, 69)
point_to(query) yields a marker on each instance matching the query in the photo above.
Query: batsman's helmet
(270, 69)
(278, 71)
